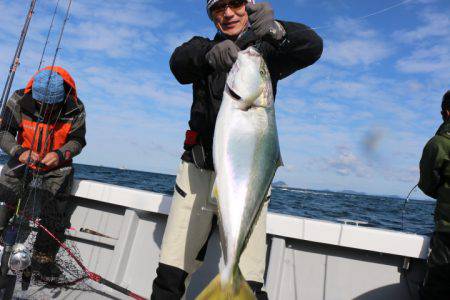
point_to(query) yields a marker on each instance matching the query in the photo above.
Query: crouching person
(42, 129)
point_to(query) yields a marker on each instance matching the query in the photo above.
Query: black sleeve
(300, 48)
(9, 127)
(188, 62)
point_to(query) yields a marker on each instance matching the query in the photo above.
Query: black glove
(261, 18)
(223, 55)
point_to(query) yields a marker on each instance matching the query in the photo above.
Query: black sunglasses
(221, 6)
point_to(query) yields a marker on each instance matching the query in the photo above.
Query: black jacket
(300, 48)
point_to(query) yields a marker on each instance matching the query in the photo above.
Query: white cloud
(428, 60)
(346, 163)
(142, 14)
(430, 46)
(355, 45)
(435, 25)
(356, 52)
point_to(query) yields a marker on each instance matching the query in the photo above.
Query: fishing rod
(41, 110)
(10, 238)
(88, 274)
(404, 205)
(48, 34)
(16, 60)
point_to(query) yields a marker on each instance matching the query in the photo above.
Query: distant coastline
(275, 184)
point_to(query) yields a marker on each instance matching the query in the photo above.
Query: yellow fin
(215, 192)
(215, 291)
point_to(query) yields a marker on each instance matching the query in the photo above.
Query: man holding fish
(246, 152)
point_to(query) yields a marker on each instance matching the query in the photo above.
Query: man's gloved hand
(222, 56)
(261, 18)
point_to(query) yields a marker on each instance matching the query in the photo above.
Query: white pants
(190, 222)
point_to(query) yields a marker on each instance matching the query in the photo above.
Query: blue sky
(358, 119)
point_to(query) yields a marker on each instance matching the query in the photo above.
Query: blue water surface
(376, 211)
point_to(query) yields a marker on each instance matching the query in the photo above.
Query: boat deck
(307, 259)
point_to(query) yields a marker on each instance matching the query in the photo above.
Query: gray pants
(47, 197)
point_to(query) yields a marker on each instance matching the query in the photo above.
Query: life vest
(47, 137)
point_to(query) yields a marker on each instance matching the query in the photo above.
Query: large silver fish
(246, 156)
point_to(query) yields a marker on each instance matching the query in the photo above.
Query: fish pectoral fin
(238, 289)
(280, 162)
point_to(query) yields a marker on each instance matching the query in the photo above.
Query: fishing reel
(15, 256)
(20, 258)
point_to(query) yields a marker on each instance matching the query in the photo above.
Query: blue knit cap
(51, 94)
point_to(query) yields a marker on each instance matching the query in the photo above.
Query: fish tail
(236, 288)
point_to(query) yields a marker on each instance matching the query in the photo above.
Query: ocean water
(376, 211)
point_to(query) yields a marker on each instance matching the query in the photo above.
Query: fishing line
(48, 34)
(36, 174)
(41, 117)
(381, 11)
(378, 12)
(42, 111)
(47, 140)
(404, 205)
(42, 55)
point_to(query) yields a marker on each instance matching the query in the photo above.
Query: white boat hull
(307, 259)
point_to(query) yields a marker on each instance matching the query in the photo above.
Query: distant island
(280, 184)
(351, 192)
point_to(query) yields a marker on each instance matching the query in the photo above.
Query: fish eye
(263, 72)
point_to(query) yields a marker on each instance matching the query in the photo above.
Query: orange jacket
(61, 131)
